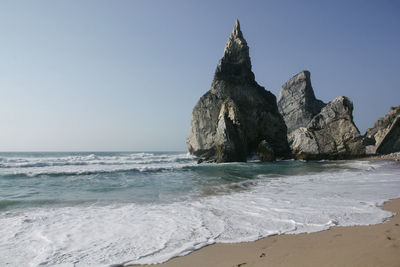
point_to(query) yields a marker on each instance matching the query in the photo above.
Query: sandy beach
(373, 245)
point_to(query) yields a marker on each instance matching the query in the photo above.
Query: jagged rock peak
(297, 102)
(237, 118)
(236, 42)
(236, 29)
(236, 58)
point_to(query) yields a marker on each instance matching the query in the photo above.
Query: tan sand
(374, 245)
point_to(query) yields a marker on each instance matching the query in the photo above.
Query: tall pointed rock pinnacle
(235, 63)
(237, 118)
(236, 29)
(236, 40)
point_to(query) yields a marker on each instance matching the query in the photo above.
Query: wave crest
(93, 164)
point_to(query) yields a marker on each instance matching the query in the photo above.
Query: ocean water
(98, 209)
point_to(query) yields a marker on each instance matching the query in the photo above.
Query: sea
(104, 208)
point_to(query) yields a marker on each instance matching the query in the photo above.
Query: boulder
(331, 134)
(384, 136)
(230, 121)
(297, 102)
(303, 143)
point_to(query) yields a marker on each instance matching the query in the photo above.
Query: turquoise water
(37, 179)
(83, 209)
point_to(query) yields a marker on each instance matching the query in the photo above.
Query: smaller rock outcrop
(384, 136)
(297, 102)
(317, 130)
(331, 134)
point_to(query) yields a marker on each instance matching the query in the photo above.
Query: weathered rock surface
(297, 102)
(384, 136)
(229, 138)
(231, 120)
(265, 151)
(329, 134)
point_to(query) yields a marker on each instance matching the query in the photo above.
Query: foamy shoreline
(392, 156)
(372, 245)
(227, 203)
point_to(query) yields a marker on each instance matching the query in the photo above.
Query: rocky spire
(236, 42)
(297, 102)
(235, 63)
(237, 118)
(236, 29)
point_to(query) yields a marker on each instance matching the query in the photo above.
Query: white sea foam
(150, 233)
(89, 164)
(91, 159)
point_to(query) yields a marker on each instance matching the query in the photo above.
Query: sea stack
(237, 118)
(318, 130)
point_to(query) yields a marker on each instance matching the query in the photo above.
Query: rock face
(384, 136)
(391, 142)
(237, 117)
(331, 134)
(317, 130)
(297, 102)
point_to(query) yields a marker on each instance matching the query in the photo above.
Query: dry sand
(373, 245)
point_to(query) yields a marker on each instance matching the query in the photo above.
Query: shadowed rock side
(318, 130)
(391, 142)
(384, 136)
(297, 102)
(237, 117)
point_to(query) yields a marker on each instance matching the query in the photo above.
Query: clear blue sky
(125, 75)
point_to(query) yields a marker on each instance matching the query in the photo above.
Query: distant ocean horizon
(103, 208)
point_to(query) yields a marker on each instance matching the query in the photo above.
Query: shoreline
(392, 156)
(361, 245)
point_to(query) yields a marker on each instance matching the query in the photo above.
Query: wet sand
(373, 245)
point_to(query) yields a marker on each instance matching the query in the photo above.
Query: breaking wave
(150, 207)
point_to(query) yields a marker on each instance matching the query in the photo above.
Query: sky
(125, 75)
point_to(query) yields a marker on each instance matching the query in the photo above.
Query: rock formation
(237, 117)
(297, 102)
(331, 134)
(318, 130)
(384, 136)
